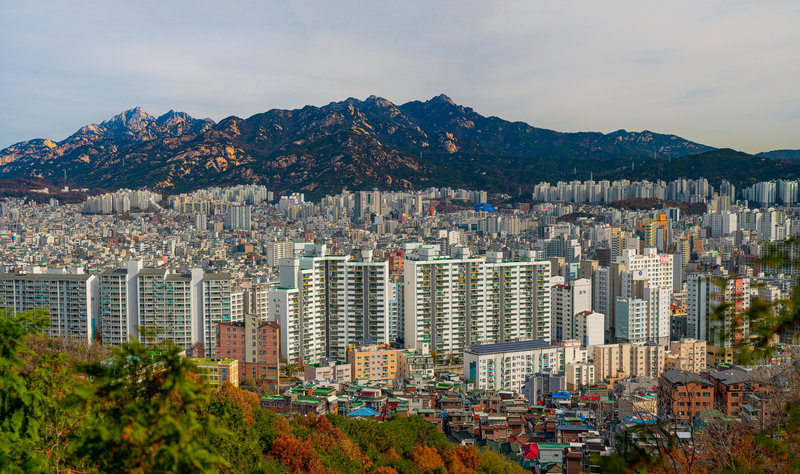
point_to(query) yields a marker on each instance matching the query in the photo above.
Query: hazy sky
(725, 73)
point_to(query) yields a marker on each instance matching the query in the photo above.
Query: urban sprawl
(540, 323)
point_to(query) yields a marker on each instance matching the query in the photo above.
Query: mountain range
(364, 144)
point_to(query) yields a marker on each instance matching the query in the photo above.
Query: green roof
(307, 400)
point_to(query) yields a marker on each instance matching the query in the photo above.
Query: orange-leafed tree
(427, 458)
(296, 454)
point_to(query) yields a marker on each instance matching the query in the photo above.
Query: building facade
(454, 302)
(71, 300)
(504, 366)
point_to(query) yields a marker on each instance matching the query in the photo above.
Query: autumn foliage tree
(427, 459)
(296, 454)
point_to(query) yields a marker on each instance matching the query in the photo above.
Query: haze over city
(719, 73)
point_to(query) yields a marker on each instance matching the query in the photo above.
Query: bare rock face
(352, 143)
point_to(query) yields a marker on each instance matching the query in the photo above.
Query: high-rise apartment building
(221, 304)
(607, 286)
(170, 306)
(278, 250)
(119, 304)
(452, 303)
(721, 326)
(368, 202)
(70, 300)
(238, 218)
(326, 303)
(657, 270)
(567, 300)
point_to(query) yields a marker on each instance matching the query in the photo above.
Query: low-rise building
(373, 362)
(330, 370)
(414, 363)
(616, 361)
(686, 354)
(731, 388)
(217, 372)
(683, 395)
(579, 374)
(253, 343)
(503, 366)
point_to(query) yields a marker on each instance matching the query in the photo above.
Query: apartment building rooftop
(514, 346)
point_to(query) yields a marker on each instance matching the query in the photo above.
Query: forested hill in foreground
(62, 410)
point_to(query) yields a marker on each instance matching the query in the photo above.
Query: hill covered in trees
(145, 411)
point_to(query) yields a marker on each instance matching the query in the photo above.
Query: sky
(724, 73)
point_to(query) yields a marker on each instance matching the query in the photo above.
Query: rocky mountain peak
(441, 98)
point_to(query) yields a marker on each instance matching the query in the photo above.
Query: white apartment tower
(238, 218)
(325, 303)
(568, 301)
(70, 300)
(657, 270)
(220, 304)
(119, 304)
(455, 302)
(170, 306)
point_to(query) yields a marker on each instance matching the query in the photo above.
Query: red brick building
(731, 388)
(682, 395)
(396, 260)
(255, 344)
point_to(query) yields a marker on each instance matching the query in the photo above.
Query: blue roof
(363, 411)
(639, 420)
(511, 346)
(561, 395)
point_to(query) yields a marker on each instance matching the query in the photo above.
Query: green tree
(148, 416)
(21, 409)
(63, 409)
(289, 370)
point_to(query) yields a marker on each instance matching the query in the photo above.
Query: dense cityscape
(547, 323)
(400, 237)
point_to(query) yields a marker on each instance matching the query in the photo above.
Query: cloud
(719, 72)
